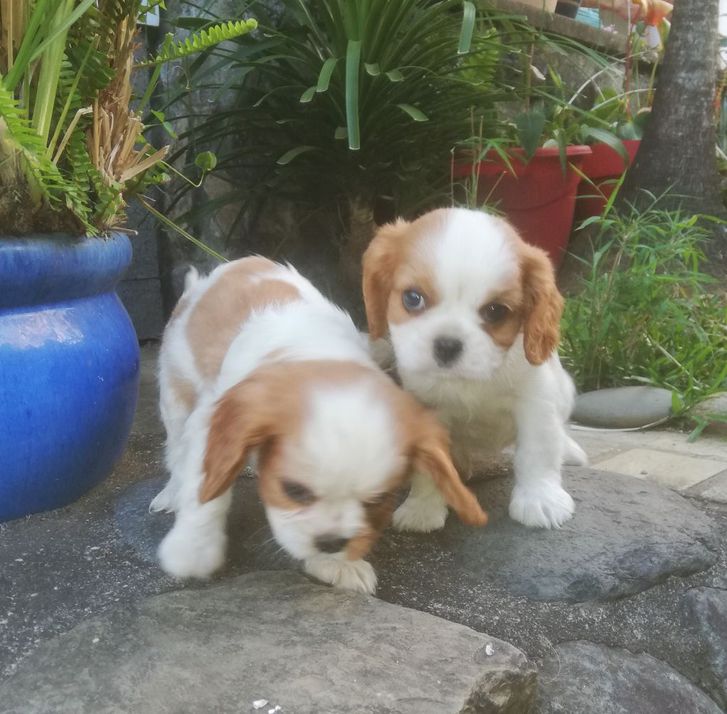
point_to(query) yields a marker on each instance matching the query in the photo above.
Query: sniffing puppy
(473, 315)
(256, 361)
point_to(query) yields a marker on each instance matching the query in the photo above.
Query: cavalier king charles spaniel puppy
(255, 362)
(472, 313)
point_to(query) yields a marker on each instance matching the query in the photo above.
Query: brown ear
(379, 264)
(543, 305)
(432, 456)
(242, 420)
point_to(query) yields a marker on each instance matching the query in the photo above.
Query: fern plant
(72, 145)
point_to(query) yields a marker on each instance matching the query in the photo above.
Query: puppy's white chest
(479, 416)
(483, 430)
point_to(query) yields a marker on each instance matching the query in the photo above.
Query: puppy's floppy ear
(543, 304)
(379, 264)
(242, 420)
(431, 455)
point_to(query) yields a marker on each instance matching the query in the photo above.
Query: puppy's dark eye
(413, 300)
(494, 312)
(299, 493)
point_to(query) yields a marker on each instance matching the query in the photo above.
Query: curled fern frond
(200, 41)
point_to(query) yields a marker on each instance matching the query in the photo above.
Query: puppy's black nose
(331, 543)
(446, 350)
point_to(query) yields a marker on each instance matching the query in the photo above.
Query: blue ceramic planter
(69, 368)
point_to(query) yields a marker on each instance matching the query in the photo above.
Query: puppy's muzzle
(447, 350)
(330, 543)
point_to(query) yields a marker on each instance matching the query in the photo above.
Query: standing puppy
(255, 359)
(473, 315)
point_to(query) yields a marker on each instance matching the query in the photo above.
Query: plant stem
(50, 69)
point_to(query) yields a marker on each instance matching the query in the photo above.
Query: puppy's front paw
(357, 575)
(541, 505)
(421, 515)
(191, 554)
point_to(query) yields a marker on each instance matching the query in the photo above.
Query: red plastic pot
(604, 167)
(537, 197)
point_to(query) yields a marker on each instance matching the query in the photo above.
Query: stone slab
(583, 678)
(275, 636)
(706, 446)
(669, 469)
(622, 407)
(707, 608)
(713, 489)
(627, 535)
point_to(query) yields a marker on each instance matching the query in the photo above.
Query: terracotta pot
(604, 167)
(536, 196)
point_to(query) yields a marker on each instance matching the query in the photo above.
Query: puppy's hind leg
(175, 411)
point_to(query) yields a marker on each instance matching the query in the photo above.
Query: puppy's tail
(191, 278)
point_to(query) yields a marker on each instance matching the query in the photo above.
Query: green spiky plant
(351, 104)
(72, 146)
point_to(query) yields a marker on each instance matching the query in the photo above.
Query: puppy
(473, 313)
(256, 361)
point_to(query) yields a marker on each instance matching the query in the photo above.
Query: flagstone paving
(638, 578)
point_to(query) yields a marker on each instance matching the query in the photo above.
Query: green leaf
(606, 137)
(308, 95)
(324, 77)
(677, 405)
(206, 160)
(413, 112)
(353, 61)
(167, 126)
(530, 127)
(372, 69)
(468, 27)
(200, 41)
(288, 156)
(395, 75)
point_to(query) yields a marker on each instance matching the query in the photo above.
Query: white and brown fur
(256, 362)
(472, 313)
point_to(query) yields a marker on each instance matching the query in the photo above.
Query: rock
(623, 407)
(272, 636)
(707, 608)
(627, 535)
(583, 678)
(714, 404)
(714, 409)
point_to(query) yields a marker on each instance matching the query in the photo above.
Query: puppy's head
(335, 443)
(456, 290)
